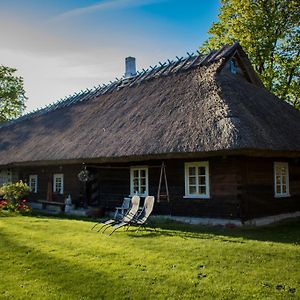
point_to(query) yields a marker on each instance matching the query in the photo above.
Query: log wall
(257, 187)
(240, 187)
(72, 185)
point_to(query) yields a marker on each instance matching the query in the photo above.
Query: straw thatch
(199, 109)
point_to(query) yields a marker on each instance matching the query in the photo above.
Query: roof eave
(161, 156)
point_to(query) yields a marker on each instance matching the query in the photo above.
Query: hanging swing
(163, 175)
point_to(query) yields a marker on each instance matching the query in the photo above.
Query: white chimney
(130, 67)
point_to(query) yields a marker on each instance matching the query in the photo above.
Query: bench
(45, 203)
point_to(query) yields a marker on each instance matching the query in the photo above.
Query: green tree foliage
(12, 94)
(269, 32)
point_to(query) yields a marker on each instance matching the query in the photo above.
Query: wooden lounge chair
(140, 219)
(135, 202)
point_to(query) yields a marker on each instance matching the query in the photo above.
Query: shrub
(13, 195)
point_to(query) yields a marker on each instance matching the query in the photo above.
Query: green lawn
(51, 258)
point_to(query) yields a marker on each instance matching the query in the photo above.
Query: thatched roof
(192, 106)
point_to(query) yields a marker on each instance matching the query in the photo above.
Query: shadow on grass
(56, 275)
(283, 232)
(287, 231)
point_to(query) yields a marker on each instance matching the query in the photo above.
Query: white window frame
(139, 168)
(186, 179)
(33, 178)
(57, 176)
(281, 194)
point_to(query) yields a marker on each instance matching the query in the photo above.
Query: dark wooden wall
(240, 187)
(72, 185)
(114, 185)
(257, 187)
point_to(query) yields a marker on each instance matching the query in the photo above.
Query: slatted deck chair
(122, 210)
(140, 219)
(117, 217)
(131, 213)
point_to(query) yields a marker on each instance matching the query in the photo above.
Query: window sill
(282, 196)
(196, 197)
(137, 195)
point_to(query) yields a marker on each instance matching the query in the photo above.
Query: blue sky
(60, 47)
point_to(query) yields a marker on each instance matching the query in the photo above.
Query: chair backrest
(135, 202)
(126, 203)
(148, 208)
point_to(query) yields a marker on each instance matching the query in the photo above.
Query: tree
(12, 94)
(269, 32)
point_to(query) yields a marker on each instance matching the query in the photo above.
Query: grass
(51, 258)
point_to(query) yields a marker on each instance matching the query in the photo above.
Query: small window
(5, 177)
(33, 180)
(233, 66)
(58, 183)
(281, 179)
(197, 180)
(139, 181)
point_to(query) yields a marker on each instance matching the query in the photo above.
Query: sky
(61, 47)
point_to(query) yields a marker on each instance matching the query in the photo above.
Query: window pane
(283, 170)
(143, 173)
(192, 180)
(143, 190)
(202, 180)
(278, 180)
(192, 171)
(284, 189)
(58, 184)
(201, 170)
(278, 190)
(143, 181)
(135, 173)
(193, 190)
(202, 189)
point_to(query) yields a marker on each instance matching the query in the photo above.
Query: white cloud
(102, 6)
(56, 60)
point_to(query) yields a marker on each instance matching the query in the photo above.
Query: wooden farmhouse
(201, 134)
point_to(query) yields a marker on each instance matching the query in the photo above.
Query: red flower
(23, 201)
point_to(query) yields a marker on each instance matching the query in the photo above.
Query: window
(139, 181)
(197, 180)
(33, 183)
(5, 176)
(233, 66)
(58, 183)
(281, 179)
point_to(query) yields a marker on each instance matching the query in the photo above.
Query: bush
(13, 197)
